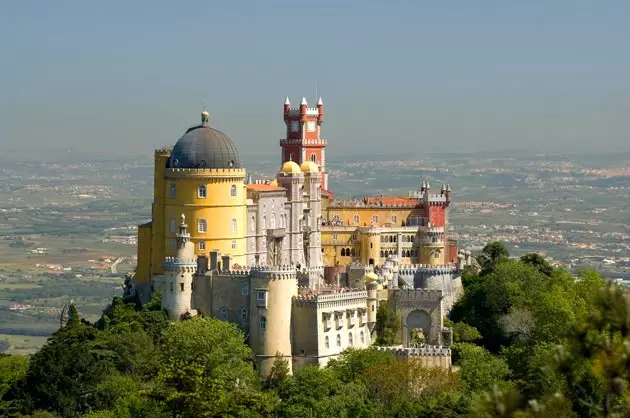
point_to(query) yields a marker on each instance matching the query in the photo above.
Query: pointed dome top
(286, 101)
(303, 102)
(320, 102)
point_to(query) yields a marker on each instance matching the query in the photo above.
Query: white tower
(179, 271)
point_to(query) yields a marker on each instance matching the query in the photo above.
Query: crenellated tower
(179, 271)
(432, 235)
(303, 141)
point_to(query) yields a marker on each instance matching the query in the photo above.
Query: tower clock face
(311, 126)
(295, 126)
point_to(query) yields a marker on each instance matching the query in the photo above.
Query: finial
(286, 101)
(183, 219)
(303, 102)
(319, 102)
(205, 116)
(448, 187)
(443, 187)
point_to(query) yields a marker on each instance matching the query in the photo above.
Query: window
(233, 225)
(245, 289)
(202, 225)
(202, 245)
(244, 314)
(172, 225)
(201, 191)
(335, 236)
(362, 337)
(313, 157)
(338, 340)
(253, 224)
(172, 190)
(272, 221)
(356, 219)
(282, 221)
(374, 219)
(264, 223)
(181, 287)
(261, 295)
(171, 244)
(350, 342)
(336, 219)
(263, 323)
(233, 190)
(292, 157)
(343, 252)
(327, 342)
(234, 244)
(224, 313)
(394, 219)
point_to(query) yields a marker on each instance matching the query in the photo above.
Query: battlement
(362, 204)
(329, 294)
(428, 268)
(436, 198)
(431, 229)
(426, 351)
(204, 172)
(163, 151)
(434, 295)
(313, 142)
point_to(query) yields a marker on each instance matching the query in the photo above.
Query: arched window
(233, 224)
(343, 252)
(202, 191)
(202, 245)
(327, 342)
(371, 245)
(362, 337)
(356, 219)
(350, 342)
(253, 224)
(283, 223)
(172, 190)
(202, 226)
(338, 340)
(313, 157)
(233, 190)
(262, 323)
(244, 314)
(224, 313)
(292, 157)
(375, 219)
(272, 221)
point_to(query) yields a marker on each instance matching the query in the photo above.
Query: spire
(320, 102)
(448, 187)
(303, 102)
(286, 101)
(249, 179)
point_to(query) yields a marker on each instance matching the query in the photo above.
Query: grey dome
(204, 147)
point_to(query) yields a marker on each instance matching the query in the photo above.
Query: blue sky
(413, 76)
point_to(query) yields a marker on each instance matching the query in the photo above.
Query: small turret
(287, 105)
(320, 111)
(448, 193)
(372, 300)
(303, 108)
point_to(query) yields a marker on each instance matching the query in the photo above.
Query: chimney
(202, 264)
(226, 262)
(214, 260)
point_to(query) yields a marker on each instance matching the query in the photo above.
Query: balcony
(276, 233)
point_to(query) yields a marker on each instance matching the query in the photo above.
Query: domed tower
(179, 271)
(273, 290)
(292, 179)
(202, 178)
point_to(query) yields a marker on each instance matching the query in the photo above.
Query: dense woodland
(530, 341)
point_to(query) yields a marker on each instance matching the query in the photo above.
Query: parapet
(433, 295)
(328, 294)
(204, 172)
(426, 351)
(431, 269)
(175, 263)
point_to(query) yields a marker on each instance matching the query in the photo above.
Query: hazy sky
(129, 76)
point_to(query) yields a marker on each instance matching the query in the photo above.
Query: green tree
(12, 373)
(492, 254)
(462, 332)
(351, 365)
(279, 371)
(205, 369)
(387, 324)
(538, 262)
(478, 368)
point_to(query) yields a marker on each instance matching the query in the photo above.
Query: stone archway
(418, 323)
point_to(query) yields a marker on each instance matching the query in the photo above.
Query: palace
(301, 273)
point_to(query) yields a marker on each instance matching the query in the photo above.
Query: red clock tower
(303, 142)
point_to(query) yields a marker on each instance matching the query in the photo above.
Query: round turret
(309, 167)
(290, 167)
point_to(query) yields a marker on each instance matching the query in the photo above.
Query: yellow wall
(143, 268)
(365, 215)
(157, 240)
(218, 208)
(426, 254)
(332, 247)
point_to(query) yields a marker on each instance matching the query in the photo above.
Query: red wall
(436, 215)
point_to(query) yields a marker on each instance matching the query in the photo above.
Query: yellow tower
(371, 247)
(201, 178)
(432, 245)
